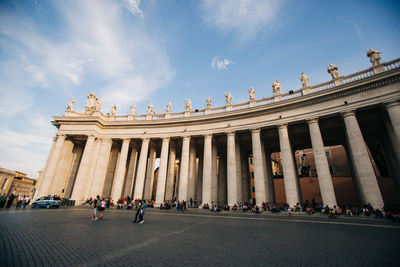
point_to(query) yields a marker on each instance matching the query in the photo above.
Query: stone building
(204, 153)
(17, 183)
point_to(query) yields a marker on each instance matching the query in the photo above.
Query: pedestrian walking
(141, 213)
(138, 208)
(102, 207)
(95, 204)
(26, 201)
(2, 200)
(10, 201)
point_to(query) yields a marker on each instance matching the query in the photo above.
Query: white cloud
(245, 18)
(220, 64)
(133, 6)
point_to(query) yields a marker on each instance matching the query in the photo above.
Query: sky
(147, 51)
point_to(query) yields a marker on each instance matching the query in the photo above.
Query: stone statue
(188, 105)
(374, 57)
(252, 94)
(70, 106)
(208, 102)
(228, 98)
(276, 88)
(304, 79)
(333, 70)
(150, 108)
(93, 103)
(133, 109)
(113, 110)
(169, 107)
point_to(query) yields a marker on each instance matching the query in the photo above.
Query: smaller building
(17, 183)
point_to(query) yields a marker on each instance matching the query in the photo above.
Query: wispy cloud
(133, 6)
(220, 64)
(245, 18)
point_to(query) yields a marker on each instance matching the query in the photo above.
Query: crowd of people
(6, 201)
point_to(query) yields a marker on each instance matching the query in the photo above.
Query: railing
(386, 66)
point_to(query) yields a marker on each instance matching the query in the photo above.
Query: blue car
(47, 202)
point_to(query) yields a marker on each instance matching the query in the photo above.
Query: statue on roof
(252, 94)
(188, 105)
(333, 71)
(93, 103)
(228, 98)
(374, 57)
(70, 105)
(169, 107)
(150, 108)
(276, 88)
(304, 79)
(113, 110)
(133, 109)
(208, 102)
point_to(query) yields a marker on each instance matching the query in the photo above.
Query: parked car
(47, 202)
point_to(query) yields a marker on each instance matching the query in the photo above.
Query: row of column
(94, 162)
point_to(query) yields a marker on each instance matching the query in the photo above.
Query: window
(328, 154)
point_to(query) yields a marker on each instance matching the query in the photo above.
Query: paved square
(67, 237)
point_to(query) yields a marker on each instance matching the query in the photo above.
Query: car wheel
(33, 206)
(48, 206)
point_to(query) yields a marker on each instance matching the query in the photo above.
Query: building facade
(204, 154)
(17, 183)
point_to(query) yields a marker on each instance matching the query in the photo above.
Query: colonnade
(204, 175)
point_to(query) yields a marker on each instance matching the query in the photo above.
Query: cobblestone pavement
(67, 237)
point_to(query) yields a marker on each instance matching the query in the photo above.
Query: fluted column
(148, 184)
(49, 157)
(207, 170)
(169, 193)
(184, 172)
(162, 172)
(289, 170)
(214, 173)
(80, 181)
(48, 176)
(393, 110)
(130, 175)
(238, 172)
(321, 163)
(192, 172)
(362, 165)
(259, 179)
(101, 168)
(139, 183)
(232, 179)
(120, 172)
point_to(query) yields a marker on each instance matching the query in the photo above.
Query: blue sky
(147, 51)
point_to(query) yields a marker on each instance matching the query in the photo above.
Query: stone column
(222, 179)
(244, 177)
(393, 109)
(62, 168)
(232, 178)
(162, 172)
(238, 172)
(80, 181)
(214, 173)
(120, 172)
(207, 170)
(259, 179)
(184, 172)
(91, 169)
(139, 183)
(7, 185)
(148, 184)
(169, 192)
(99, 175)
(192, 172)
(321, 164)
(362, 165)
(37, 193)
(199, 181)
(130, 175)
(48, 176)
(289, 170)
(269, 177)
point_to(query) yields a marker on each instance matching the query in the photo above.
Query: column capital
(106, 140)
(255, 130)
(91, 136)
(165, 139)
(348, 113)
(230, 133)
(145, 140)
(62, 135)
(311, 121)
(126, 140)
(283, 126)
(186, 137)
(207, 136)
(391, 104)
